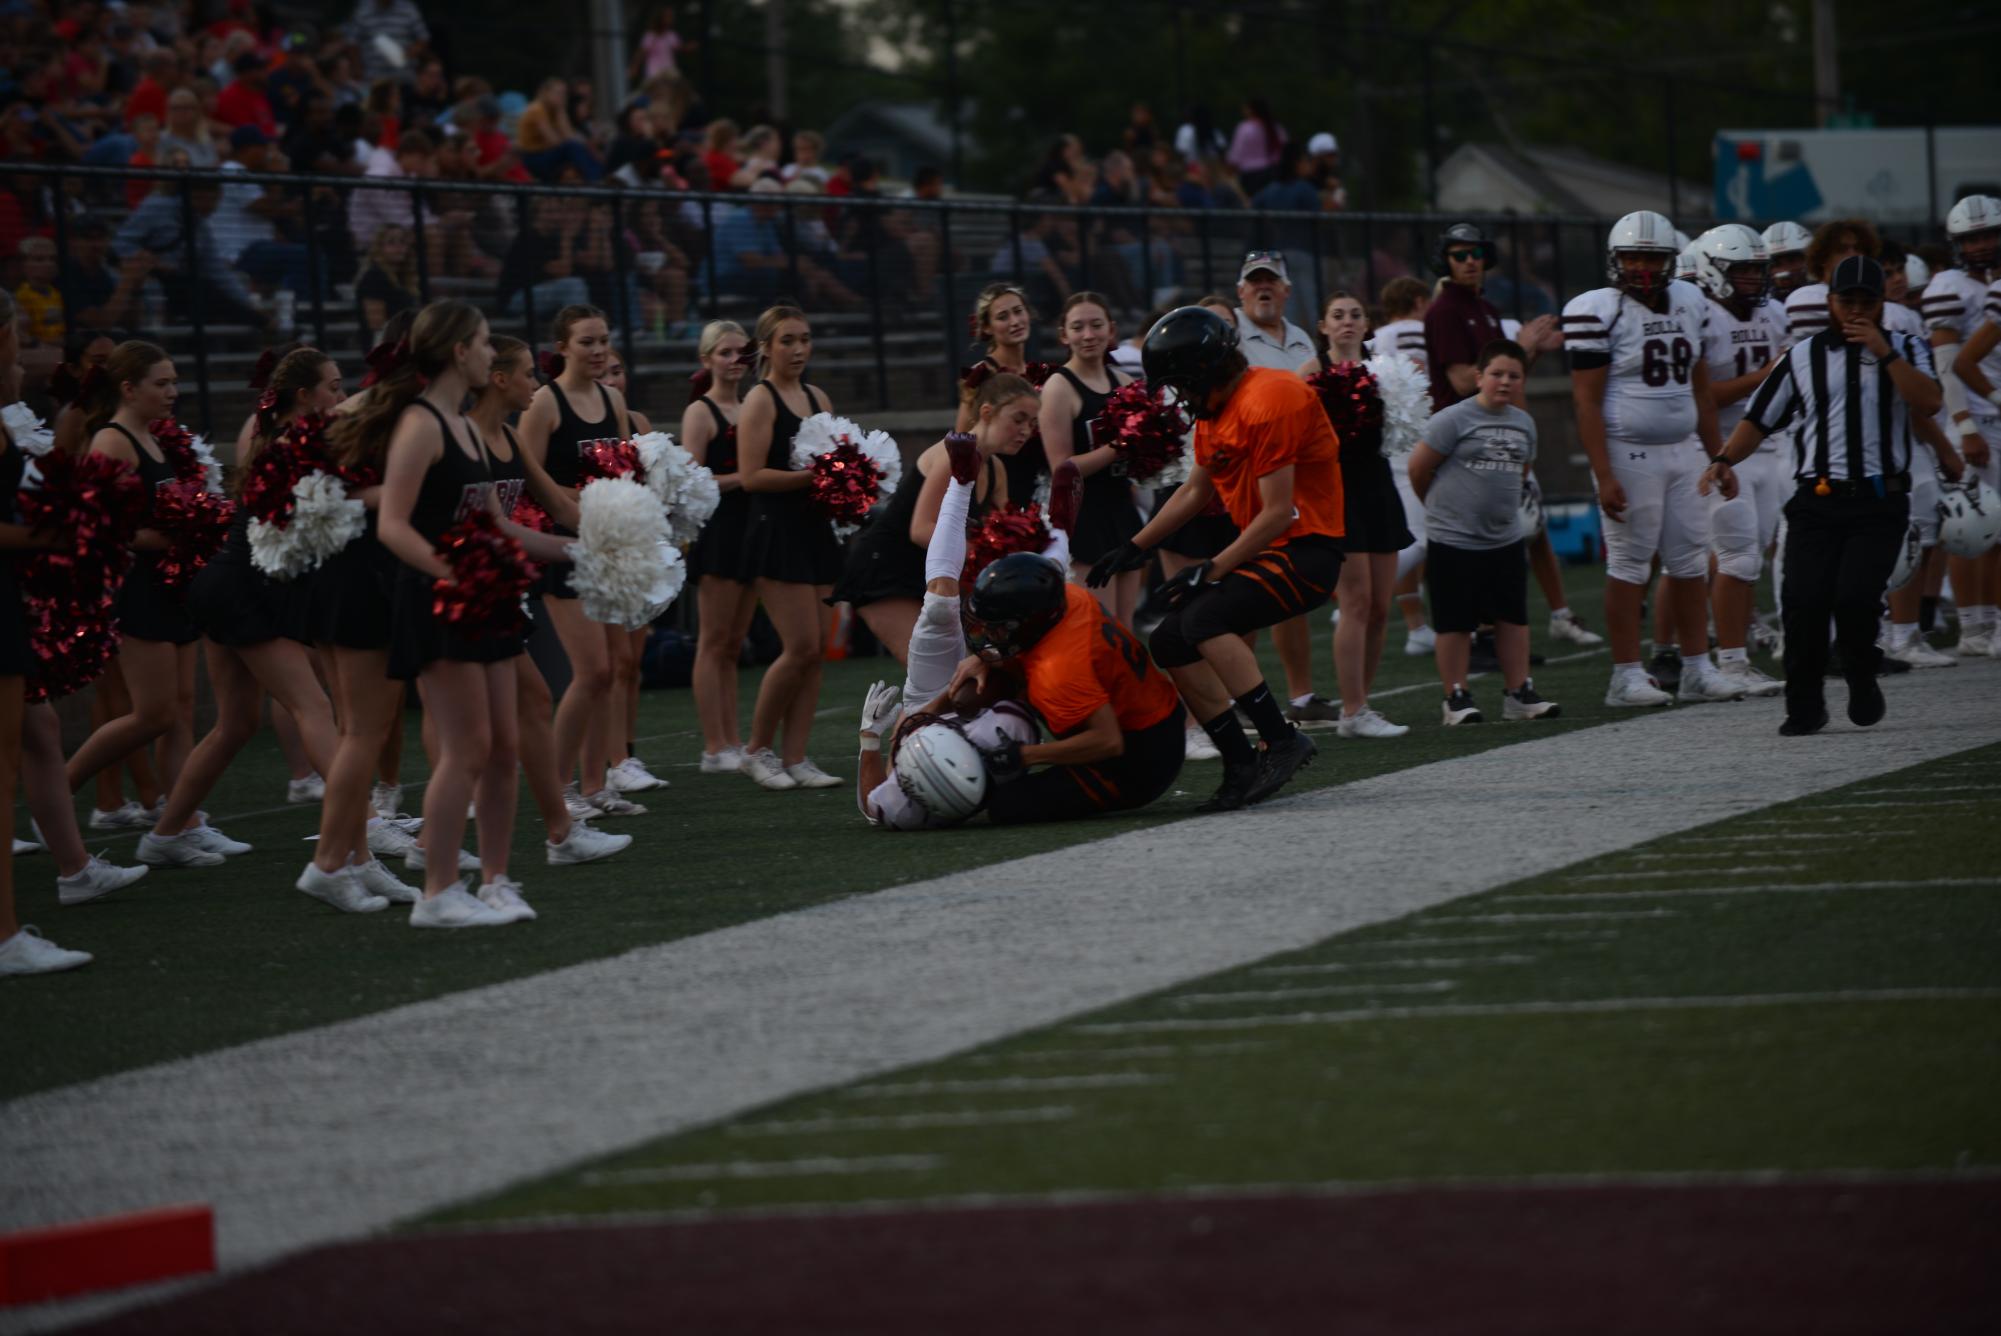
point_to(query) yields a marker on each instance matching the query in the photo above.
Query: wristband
(871, 743)
(1891, 356)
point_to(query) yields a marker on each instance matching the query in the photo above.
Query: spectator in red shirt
(719, 152)
(149, 95)
(244, 101)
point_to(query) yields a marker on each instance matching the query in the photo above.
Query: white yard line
(907, 1122)
(1420, 963)
(1005, 1085)
(1568, 918)
(1741, 870)
(1471, 939)
(1130, 1053)
(1769, 888)
(813, 1166)
(1224, 999)
(346, 1129)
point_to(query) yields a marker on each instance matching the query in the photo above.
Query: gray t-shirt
(1476, 495)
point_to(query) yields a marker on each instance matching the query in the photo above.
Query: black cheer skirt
(1106, 517)
(417, 639)
(16, 658)
(786, 539)
(347, 598)
(235, 604)
(718, 549)
(1372, 507)
(147, 611)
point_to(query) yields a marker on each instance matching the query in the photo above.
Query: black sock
(1927, 614)
(1227, 732)
(1266, 716)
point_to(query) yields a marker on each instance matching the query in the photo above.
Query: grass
(1817, 1029)
(192, 961)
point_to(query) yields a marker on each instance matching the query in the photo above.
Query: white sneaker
(725, 762)
(384, 799)
(28, 952)
(764, 768)
(308, 790)
(1197, 746)
(1458, 708)
(1975, 643)
(1572, 630)
(393, 837)
(455, 907)
(1524, 703)
(131, 816)
(377, 879)
(343, 890)
(809, 776)
(585, 845)
(632, 776)
(97, 878)
(503, 896)
(414, 859)
(1368, 724)
(578, 806)
(181, 850)
(1701, 683)
(606, 803)
(213, 840)
(1635, 692)
(1420, 642)
(1764, 639)
(1744, 677)
(1918, 654)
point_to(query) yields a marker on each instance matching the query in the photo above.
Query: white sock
(1303, 701)
(1733, 656)
(1695, 661)
(945, 555)
(1903, 633)
(1622, 670)
(1559, 614)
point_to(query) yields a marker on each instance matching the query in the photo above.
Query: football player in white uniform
(1643, 403)
(1747, 332)
(1953, 305)
(1786, 244)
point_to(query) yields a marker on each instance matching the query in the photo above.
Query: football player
(1263, 443)
(1953, 311)
(1648, 423)
(1786, 244)
(1747, 332)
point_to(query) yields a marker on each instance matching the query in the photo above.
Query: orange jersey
(1089, 660)
(1273, 420)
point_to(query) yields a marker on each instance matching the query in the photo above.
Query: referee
(1852, 391)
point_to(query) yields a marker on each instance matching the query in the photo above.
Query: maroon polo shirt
(1459, 323)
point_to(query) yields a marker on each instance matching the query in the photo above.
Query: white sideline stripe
(1769, 888)
(1569, 918)
(1476, 677)
(1778, 844)
(568, 1065)
(1495, 939)
(1330, 990)
(1928, 802)
(1135, 1052)
(1943, 788)
(1465, 1011)
(813, 1166)
(1339, 967)
(1005, 1085)
(906, 1122)
(1741, 870)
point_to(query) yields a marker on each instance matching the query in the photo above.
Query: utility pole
(608, 55)
(774, 60)
(1826, 64)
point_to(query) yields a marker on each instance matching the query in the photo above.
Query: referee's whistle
(1822, 488)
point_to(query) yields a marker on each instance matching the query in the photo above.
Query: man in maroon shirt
(244, 102)
(1461, 322)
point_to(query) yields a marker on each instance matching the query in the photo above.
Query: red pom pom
(846, 484)
(177, 443)
(196, 524)
(1354, 404)
(299, 450)
(530, 515)
(1002, 533)
(490, 573)
(1144, 429)
(93, 505)
(609, 459)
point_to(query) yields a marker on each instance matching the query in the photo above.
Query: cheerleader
(628, 774)
(725, 598)
(23, 950)
(1071, 402)
(1375, 533)
(1003, 320)
(554, 432)
(789, 551)
(884, 580)
(158, 638)
(438, 470)
(85, 351)
(510, 388)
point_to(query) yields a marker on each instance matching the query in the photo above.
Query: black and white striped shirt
(1849, 422)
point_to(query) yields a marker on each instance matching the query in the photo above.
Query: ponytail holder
(269, 400)
(260, 375)
(700, 384)
(384, 360)
(551, 364)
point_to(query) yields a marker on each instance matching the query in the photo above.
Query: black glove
(1004, 761)
(1184, 586)
(1124, 557)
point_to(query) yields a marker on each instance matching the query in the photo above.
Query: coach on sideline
(1852, 390)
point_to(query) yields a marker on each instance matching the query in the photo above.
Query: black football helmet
(1460, 234)
(1017, 600)
(1192, 351)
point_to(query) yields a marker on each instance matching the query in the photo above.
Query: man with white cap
(1325, 150)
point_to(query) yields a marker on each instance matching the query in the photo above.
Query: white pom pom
(881, 447)
(27, 430)
(819, 434)
(625, 567)
(324, 520)
(1176, 471)
(685, 487)
(654, 449)
(1406, 395)
(211, 467)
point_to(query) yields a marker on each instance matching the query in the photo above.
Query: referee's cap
(1857, 273)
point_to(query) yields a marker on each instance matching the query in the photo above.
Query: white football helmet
(1684, 264)
(1975, 216)
(1718, 253)
(1646, 233)
(1916, 272)
(1969, 519)
(1529, 511)
(940, 770)
(1909, 553)
(1785, 238)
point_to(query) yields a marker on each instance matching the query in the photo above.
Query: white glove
(881, 708)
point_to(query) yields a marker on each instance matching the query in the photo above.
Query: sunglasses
(1465, 256)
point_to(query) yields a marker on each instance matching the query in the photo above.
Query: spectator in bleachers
(541, 264)
(808, 146)
(387, 283)
(634, 156)
(758, 157)
(1255, 145)
(1059, 166)
(1119, 186)
(38, 299)
(429, 96)
(149, 96)
(389, 34)
(663, 265)
(1325, 150)
(659, 50)
(344, 77)
(187, 130)
(1049, 256)
(719, 152)
(382, 109)
(245, 221)
(102, 297)
(1292, 190)
(750, 248)
(245, 102)
(315, 143)
(155, 227)
(547, 139)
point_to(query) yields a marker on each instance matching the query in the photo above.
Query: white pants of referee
(1666, 516)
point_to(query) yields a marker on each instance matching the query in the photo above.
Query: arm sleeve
(1587, 331)
(1942, 307)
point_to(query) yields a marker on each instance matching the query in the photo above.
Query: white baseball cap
(1323, 143)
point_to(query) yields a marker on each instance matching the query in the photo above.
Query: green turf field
(194, 960)
(1813, 988)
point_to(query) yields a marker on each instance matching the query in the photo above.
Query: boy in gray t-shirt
(1469, 470)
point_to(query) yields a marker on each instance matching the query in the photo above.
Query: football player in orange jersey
(1262, 443)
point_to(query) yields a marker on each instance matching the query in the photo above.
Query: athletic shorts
(1665, 515)
(1146, 769)
(1924, 494)
(1470, 587)
(1277, 584)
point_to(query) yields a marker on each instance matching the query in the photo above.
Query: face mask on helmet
(1788, 273)
(1978, 250)
(1750, 281)
(1644, 274)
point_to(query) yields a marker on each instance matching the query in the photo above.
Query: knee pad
(940, 615)
(1733, 535)
(1628, 557)
(1170, 645)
